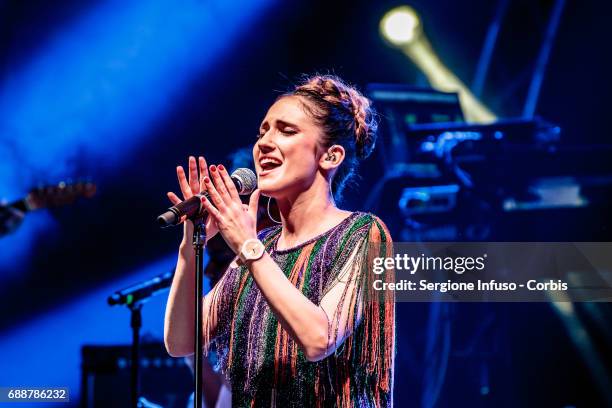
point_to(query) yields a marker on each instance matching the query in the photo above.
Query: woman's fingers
(229, 183)
(213, 193)
(173, 198)
(254, 202)
(215, 173)
(210, 208)
(194, 181)
(203, 172)
(185, 188)
(192, 184)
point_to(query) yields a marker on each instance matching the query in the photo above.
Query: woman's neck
(308, 214)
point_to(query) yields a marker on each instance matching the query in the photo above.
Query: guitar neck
(21, 205)
(54, 196)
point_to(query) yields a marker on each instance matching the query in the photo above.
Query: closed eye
(261, 133)
(286, 131)
(286, 127)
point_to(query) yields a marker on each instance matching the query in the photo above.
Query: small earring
(331, 156)
(270, 215)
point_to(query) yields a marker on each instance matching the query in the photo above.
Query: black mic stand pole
(135, 324)
(199, 239)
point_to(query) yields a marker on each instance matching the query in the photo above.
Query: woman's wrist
(187, 229)
(186, 245)
(252, 265)
(187, 235)
(186, 248)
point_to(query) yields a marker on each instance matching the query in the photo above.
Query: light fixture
(400, 26)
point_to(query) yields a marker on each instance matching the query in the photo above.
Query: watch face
(253, 249)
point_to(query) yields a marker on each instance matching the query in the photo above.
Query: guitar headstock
(58, 195)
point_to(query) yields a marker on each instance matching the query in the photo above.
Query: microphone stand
(199, 239)
(134, 298)
(135, 324)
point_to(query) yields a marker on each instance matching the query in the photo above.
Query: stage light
(402, 28)
(400, 25)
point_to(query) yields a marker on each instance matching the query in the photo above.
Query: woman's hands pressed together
(189, 188)
(235, 221)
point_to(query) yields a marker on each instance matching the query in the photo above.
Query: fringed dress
(266, 367)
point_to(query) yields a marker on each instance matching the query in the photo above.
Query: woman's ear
(332, 158)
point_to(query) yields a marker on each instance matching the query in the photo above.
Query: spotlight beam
(412, 41)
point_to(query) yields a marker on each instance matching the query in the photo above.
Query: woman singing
(294, 317)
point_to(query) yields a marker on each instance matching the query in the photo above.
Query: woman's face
(287, 151)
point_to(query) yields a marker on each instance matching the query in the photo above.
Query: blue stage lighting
(90, 93)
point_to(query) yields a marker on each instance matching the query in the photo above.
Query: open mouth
(269, 164)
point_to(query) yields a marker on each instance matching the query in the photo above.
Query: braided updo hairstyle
(346, 118)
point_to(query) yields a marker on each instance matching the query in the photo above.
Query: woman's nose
(265, 144)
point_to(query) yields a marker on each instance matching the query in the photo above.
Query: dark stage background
(121, 93)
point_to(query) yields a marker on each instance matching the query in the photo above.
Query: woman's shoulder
(371, 221)
(367, 216)
(361, 226)
(355, 227)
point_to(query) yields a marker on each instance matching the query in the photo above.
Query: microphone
(141, 291)
(244, 179)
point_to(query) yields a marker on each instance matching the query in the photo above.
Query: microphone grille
(247, 180)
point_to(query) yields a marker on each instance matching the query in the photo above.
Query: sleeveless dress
(263, 363)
